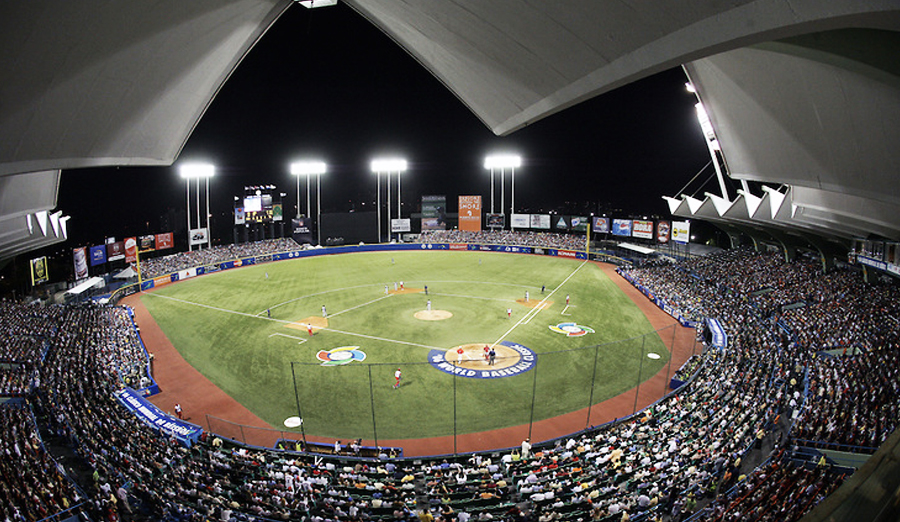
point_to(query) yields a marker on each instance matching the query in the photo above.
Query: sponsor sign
(149, 414)
(621, 227)
(642, 229)
(277, 212)
(663, 230)
(565, 253)
(239, 215)
(434, 213)
(601, 225)
(301, 230)
(164, 241)
(560, 223)
(400, 225)
(459, 246)
(341, 356)
(162, 280)
(81, 266)
(520, 221)
(147, 243)
(495, 220)
(681, 231)
(39, 270)
(130, 249)
(98, 255)
(115, 251)
(198, 236)
(540, 221)
(470, 213)
(579, 223)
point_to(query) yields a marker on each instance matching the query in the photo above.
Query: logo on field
(470, 360)
(340, 356)
(571, 329)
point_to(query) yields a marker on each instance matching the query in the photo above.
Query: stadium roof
(803, 95)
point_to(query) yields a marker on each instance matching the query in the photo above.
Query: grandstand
(802, 107)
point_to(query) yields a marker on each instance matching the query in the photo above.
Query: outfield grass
(219, 324)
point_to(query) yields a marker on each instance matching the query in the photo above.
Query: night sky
(327, 84)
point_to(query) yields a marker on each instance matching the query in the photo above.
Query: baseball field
(260, 334)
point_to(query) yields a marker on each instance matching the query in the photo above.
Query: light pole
(503, 162)
(310, 168)
(387, 166)
(190, 171)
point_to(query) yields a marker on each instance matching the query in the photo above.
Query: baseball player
(397, 375)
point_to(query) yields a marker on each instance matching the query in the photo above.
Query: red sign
(164, 241)
(470, 213)
(565, 253)
(459, 246)
(130, 249)
(662, 231)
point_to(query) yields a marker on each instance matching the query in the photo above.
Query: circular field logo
(474, 362)
(571, 329)
(340, 356)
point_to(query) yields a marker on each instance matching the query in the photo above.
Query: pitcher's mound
(534, 303)
(317, 323)
(433, 315)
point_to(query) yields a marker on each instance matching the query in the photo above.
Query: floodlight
(388, 165)
(690, 87)
(503, 161)
(315, 168)
(197, 170)
(312, 4)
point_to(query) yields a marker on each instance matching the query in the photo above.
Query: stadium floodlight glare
(388, 165)
(310, 168)
(503, 161)
(197, 170)
(190, 171)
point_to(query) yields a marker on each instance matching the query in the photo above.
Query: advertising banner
(681, 231)
(277, 212)
(495, 221)
(302, 233)
(400, 225)
(663, 230)
(149, 414)
(642, 229)
(198, 236)
(470, 213)
(115, 251)
(81, 267)
(560, 223)
(239, 216)
(39, 270)
(520, 221)
(146, 243)
(540, 221)
(621, 227)
(164, 241)
(601, 225)
(434, 213)
(130, 249)
(579, 223)
(98, 255)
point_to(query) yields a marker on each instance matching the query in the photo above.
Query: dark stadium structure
(800, 105)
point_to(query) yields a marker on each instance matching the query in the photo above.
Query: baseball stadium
(431, 355)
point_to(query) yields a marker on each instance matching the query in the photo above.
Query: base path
(199, 397)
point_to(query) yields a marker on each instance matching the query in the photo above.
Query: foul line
(360, 305)
(302, 340)
(395, 341)
(540, 306)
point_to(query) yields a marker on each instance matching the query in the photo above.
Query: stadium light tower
(308, 168)
(503, 162)
(190, 171)
(387, 166)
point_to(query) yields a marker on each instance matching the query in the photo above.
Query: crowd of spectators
(686, 448)
(506, 237)
(158, 266)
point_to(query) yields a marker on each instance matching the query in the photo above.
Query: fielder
(397, 375)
